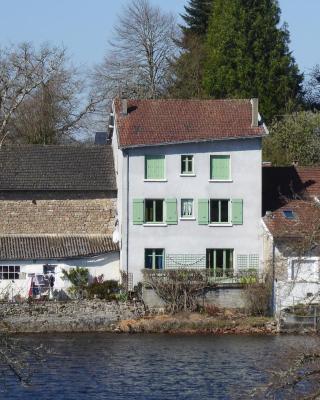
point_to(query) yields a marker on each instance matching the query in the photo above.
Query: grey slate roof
(22, 247)
(57, 167)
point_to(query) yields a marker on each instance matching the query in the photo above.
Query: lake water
(111, 366)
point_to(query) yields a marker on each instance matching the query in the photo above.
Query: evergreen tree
(187, 69)
(247, 55)
(197, 16)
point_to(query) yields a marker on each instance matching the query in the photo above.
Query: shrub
(107, 290)
(179, 289)
(257, 297)
(79, 278)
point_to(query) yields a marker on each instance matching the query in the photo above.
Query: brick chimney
(255, 112)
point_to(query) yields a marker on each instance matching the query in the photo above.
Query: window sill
(157, 225)
(155, 180)
(220, 180)
(187, 219)
(187, 175)
(222, 224)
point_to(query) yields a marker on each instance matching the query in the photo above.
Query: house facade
(189, 180)
(291, 226)
(58, 209)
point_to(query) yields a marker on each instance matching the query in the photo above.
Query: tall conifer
(196, 16)
(187, 69)
(247, 55)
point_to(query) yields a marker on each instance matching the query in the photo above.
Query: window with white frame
(187, 208)
(9, 272)
(154, 258)
(154, 211)
(187, 165)
(219, 211)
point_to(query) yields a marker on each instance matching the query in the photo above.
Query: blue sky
(84, 26)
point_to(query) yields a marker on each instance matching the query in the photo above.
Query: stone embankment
(71, 316)
(104, 316)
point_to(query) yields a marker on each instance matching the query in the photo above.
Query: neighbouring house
(189, 180)
(292, 232)
(58, 210)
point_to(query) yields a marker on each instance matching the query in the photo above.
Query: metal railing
(217, 275)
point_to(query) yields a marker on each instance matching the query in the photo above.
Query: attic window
(289, 214)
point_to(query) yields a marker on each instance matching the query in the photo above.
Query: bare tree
(41, 98)
(139, 57)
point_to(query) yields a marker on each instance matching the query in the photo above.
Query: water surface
(111, 366)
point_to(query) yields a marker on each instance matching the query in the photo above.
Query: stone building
(58, 210)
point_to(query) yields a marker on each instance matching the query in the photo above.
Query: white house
(189, 184)
(291, 233)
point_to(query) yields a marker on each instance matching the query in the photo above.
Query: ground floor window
(9, 272)
(154, 258)
(220, 261)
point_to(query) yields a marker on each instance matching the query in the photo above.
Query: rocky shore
(104, 316)
(71, 316)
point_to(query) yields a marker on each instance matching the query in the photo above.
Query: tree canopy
(187, 68)
(294, 138)
(196, 16)
(247, 55)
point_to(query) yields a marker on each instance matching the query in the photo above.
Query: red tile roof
(283, 184)
(310, 176)
(154, 122)
(306, 220)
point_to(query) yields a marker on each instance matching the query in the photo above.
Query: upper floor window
(187, 165)
(154, 168)
(220, 168)
(154, 211)
(219, 211)
(186, 208)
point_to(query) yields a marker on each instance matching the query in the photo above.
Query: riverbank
(70, 316)
(198, 323)
(104, 316)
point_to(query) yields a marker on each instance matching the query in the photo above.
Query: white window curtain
(187, 208)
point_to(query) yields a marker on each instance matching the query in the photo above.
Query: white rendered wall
(188, 237)
(106, 264)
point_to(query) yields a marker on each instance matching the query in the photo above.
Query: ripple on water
(151, 367)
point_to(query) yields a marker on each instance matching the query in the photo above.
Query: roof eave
(194, 141)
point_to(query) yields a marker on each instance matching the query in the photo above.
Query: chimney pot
(255, 112)
(124, 104)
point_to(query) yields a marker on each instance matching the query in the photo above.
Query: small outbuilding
(58, 210)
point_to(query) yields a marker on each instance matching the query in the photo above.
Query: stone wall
(57, 212)
(72, 316)
(224, 297)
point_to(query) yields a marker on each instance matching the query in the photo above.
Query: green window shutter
(172, 214)
(237, 211)
(220, 167)
(154, 167)
(138, 211)
(203, 211)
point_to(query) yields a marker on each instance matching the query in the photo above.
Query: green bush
(107, 290)
(79, 278)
